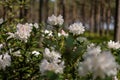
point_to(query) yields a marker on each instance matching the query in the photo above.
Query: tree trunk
(117, 22)
(97, 17)
(83, 13)
(4, 12)
(74, 11)
(46, 10)
(25, 11)
(92, 18)
(103, 17)
(108, 18)
(64, 10)
(21, 10)
(40, 10)
(55, 7)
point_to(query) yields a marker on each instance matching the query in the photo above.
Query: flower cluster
(47, 32)
(1, 20)
(5, 60)
(115, 78)
(36, 53)
(63, 33)
(114, 45)
(53, 20)
(51, 62)
(97, 62)
(22, 33)
(1, 46)
(35, 25)
(76, 28)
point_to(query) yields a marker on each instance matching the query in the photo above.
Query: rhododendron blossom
(54, 20)
(1, 20)
(76, 28)
(113, 45)
(63, 33)
(23, 31)
(99, 63)
(51, 62)
(36, 53)
(5, 60)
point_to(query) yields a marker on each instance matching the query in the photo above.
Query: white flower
(46, 53)
(76, 28)
(60, 20)
(47, 33)
(60, 67)
(36, 53)
(62, 33)
(99, 64)
(114, 45)
(115, 78)
(30, 24)
(36, 25)
(59, 34)
(44, 66)
(17, 53)
(11, 35)
(50, 33)
(51, 62)
(92, 50)
(1, 20)
(106, 64)
(5, 60)
(23, 31)
(51, 66)
(1, 46)
(53, 20)
(52, 55)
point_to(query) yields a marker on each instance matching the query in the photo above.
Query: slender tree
(83, 12)
(40, 10)
(21, 9)
(74, 7)
(92, 17)
(97, 16)
(117, 22)
(55, 7)
(46, 7)
(108, 16)
(63, 7)
(103, 17)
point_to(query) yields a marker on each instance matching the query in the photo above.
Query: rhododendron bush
(51, 51)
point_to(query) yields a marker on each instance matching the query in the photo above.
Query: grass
(93, 37)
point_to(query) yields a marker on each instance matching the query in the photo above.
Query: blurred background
(100, 17)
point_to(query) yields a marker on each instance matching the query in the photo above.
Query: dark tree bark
(21, 10)
(4, 12)
(40, 10)
(83, 13)
(103, 17)
(117, 22)
(63, 10)
(43, 10)
(97, 16)
(25, 10)
(74, 7)
(108, 18)
(92, 18)
(46, 9)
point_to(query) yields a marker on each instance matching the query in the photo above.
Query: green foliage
(25, 66)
